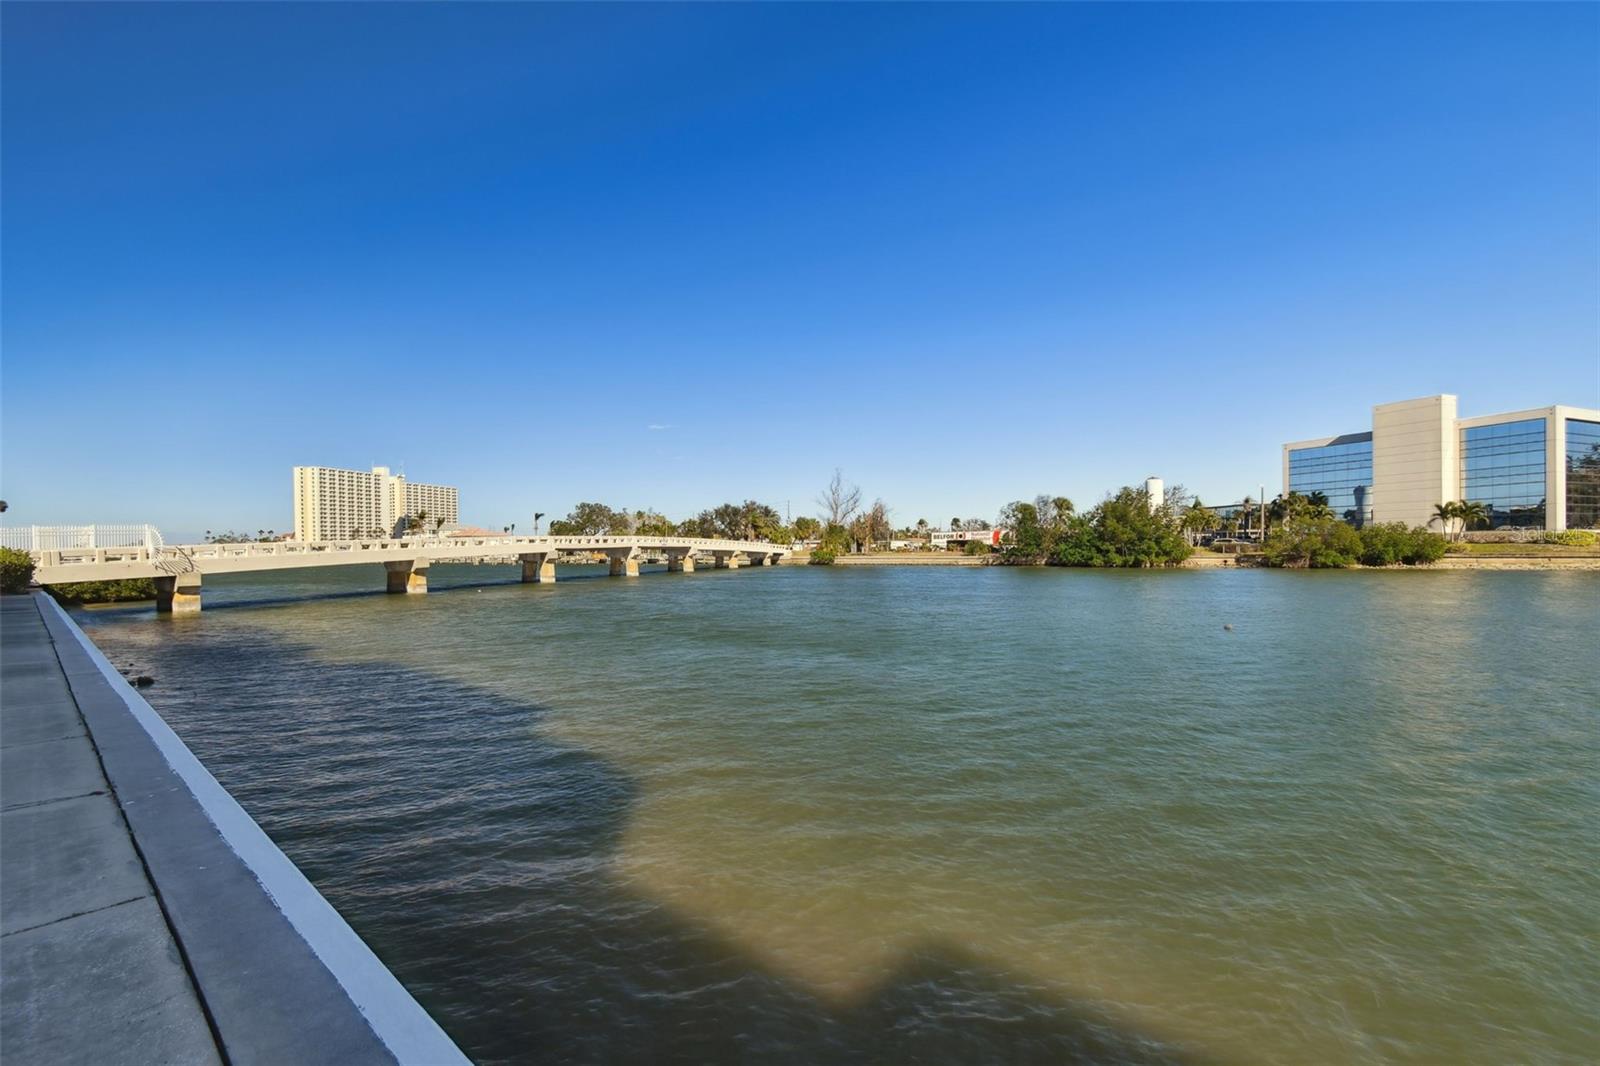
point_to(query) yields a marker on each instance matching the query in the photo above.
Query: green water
(926, 814)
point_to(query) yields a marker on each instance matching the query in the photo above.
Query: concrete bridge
(178, 569)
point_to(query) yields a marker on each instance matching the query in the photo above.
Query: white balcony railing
(58, 538)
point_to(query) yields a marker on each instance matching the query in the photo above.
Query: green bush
(1122, 531)
(1392, 543)
(822, 556)
(1572, 538)
(16, 570)
(133, 588)
(975, 547)
(1318, 543)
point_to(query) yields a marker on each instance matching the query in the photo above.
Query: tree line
(843, 523)
(750, 520)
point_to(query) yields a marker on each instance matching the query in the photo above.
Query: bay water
(806, 814)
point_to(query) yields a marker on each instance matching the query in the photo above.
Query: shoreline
(1229, 562)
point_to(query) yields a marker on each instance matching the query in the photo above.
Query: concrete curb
(282, 974)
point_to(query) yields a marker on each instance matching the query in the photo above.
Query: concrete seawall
(145, 916)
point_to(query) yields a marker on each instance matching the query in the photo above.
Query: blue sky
(667, 256)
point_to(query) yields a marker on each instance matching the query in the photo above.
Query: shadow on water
(475, 855)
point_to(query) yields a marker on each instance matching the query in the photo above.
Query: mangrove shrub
(1390, 543)
(1318, 543)
(16, 570)
(1124, 531)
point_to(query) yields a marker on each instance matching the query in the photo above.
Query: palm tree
(1446, 514)
(1473, 513)
(1198, 519)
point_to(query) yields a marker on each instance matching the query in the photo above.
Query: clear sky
(667, 256)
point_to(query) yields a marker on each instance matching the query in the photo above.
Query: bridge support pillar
(680, 562)
(726, 560)
(758, 558)
(538, 567)
(408, 576)
(625, 561)
(178, 595)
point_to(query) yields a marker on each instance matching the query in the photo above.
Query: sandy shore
(1502, 562)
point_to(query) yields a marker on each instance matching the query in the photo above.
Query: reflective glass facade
(1341, 471)
(1583, 474)
(1502, 465)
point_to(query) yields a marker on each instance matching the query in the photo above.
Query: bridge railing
(80, 551)
(60, 538)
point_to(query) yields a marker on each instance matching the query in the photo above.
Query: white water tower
(1157, 492)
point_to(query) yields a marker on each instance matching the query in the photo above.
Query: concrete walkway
(144, 916)
(89, 969)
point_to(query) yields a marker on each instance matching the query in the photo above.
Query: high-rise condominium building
(1539, 469)
(334, 504)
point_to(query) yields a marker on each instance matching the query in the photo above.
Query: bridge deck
(110, 564)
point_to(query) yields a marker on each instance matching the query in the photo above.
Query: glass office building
(1583, 474)
(1341, 470)
(1533, 469)
(1503, 467)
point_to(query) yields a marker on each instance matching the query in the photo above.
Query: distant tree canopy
(1293, 507)
(871, 527)
(749, 520)
(651, 524)
(839, 501)
(1037, 527)
(842, 524)
(1197, 519)
(230, 536)
(591, 520)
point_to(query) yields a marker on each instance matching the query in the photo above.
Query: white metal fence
(57, 538)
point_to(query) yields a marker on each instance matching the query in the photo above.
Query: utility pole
(1262, 499)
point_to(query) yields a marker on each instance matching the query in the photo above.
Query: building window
(1502, 465)
(1340, 471)
(1583, 474)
